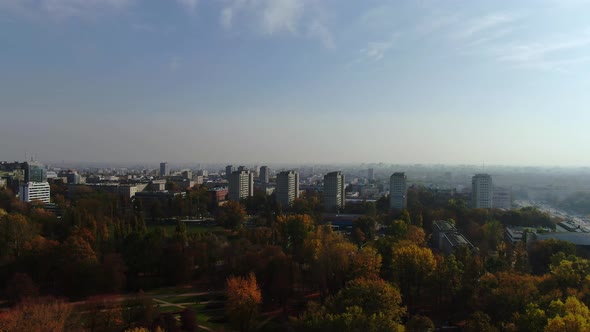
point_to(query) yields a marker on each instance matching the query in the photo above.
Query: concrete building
(242, 168)
(73, 177)
(241, 185)
(334, 196)
(264, 174)
(164, 170)
(34, 191)
(447, 238)
(371, 174)
(482, 191)
(228, 170)
(398, 191)
(287, 187)
(502, 198)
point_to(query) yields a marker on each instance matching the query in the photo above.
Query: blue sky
(254, 81)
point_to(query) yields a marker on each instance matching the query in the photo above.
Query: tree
(20, 287)
(572, 316)
(188, 320)
(533, 319)
(366, 263)
(480, 322)
(232, 215)
(419, 324)
(373, 296)
(243, 299)
(541, 252)
(412, 266)
(15, 231)
(364, 229)
(36, 315)
(294, 230)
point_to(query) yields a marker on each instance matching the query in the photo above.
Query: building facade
(334, 196)
(228, 170)
(287, 187)
(264, 174)
(241, 185)
(482, 191)
(398, 191)
(35, 191)
(164, 170)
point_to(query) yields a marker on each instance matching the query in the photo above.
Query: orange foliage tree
(243, 299)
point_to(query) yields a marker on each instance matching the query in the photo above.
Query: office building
(482, 191)
(241, 185)
(34, 191)
(242, 168)
(334, 196)
(287, 187)
(398, 191)
(164, 170)
(35, 172)
(264, 174)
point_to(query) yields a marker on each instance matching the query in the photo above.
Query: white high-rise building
(35, 191)
(482, 191)
(334, 196)
(287, 187)
(398, 191)
(241, 185)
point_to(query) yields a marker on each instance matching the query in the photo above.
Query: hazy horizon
(296, 82)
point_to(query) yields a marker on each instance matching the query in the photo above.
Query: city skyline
(295, 82)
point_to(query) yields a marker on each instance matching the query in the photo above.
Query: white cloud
(318, 31)
(62, 9)
(485, 24)
(189, 5)
(376, 51)
(273, 17)
(279, 15)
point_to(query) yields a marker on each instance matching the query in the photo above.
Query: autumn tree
(243, 299)
(294, 229)
(419, 323)
(364, 304)
(232, 215)
(412, 266)
(572, 316)
(36, 315)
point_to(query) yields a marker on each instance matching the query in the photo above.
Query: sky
(296, 81)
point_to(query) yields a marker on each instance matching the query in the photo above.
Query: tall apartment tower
(482, 191)
(334, 196)
(398, 191)
(241, 185)
(228, 170)
(164, 170)
(287, 187)
(264, 174)
(371, 174)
